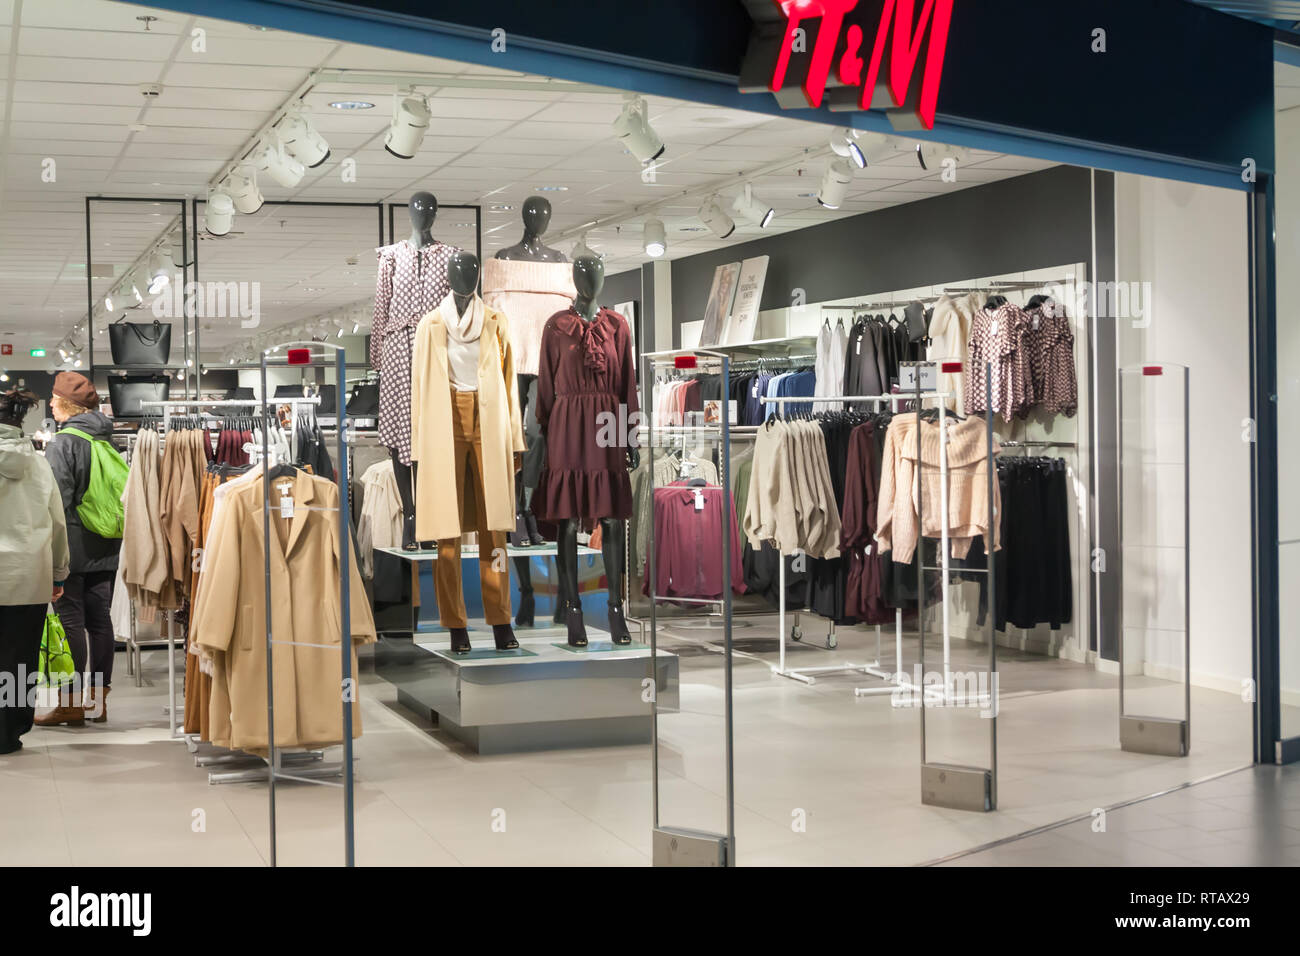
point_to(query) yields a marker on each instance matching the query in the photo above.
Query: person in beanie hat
(33, 560)
(88, 591)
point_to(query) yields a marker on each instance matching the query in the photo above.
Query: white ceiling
(70, 72)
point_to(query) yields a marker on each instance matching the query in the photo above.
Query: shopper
(88, 592)
(33, 563)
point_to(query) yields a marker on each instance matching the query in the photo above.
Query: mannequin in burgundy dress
(586, 400)
(536, 214)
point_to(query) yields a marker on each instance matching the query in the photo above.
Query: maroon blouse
(586, 397)
(688, 543)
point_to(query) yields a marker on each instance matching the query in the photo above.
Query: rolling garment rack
(681, 846)
(174, 712)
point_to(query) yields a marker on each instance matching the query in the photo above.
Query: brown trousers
(467, 466)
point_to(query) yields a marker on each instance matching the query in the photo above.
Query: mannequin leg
(566, 561)
(405, 491)
(613, 535)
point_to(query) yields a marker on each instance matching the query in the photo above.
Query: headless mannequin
(536, 214)
(462, 276)
(589, 279)
(424, 210)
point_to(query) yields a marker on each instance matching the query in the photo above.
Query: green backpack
(101, 508)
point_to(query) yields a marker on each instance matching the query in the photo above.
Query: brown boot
(69, 711)
(97, 709)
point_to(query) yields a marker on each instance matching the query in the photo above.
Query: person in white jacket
(33, 564)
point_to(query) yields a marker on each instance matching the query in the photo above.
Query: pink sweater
(528, 293)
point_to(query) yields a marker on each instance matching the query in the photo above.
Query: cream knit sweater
(969, 510)
(529, 293)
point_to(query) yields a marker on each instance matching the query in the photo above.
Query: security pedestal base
(1163, 736)
(958, 788)
(678, 846)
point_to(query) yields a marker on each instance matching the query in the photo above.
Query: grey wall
(1034, 221)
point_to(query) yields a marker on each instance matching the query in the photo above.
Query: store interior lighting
(835, 184)
(273, 159)
(844, 143)
(749, 207)
(411, 119)
(301, 140)
(932, 155)
(633, 130)
(159, 272)
(219, 213)
(134, 287)
(242, 187)
(655, 238)
(713, 215)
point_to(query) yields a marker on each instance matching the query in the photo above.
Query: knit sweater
(969, 511)
(529, 293)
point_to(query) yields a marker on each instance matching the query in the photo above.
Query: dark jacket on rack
(69, 458)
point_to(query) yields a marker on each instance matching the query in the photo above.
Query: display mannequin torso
(537, 217)
(588, 279)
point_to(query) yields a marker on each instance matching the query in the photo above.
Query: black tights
(613, 533)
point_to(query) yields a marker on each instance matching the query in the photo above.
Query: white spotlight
(177, 246)
(301, 139)
(134, 286)
(159, 276)
(272, 159)
(844, 143)
(108, 302)
(715, 217)
(656, 241)
(760, 214)
(219, 215)
(356, 327)
(835, 184)
(242, 186)
(633, 130)
(932, 155)
(411, 118)
(4, 376)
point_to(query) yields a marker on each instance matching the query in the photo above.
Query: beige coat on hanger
(437, 512)
(305, 618)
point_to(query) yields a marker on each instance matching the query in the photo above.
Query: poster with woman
(719, 308)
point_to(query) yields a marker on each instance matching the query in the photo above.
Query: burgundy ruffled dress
(585, 374)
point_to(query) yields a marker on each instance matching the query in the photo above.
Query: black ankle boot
(577, 629)
(408, 533)
(534, 534)
(460, 641)
(504, 637)
(526, 610)
(618, 632)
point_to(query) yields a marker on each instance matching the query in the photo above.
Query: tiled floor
(821, 776)
(1247, 818)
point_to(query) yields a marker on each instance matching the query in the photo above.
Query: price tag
(699, 501)
(928, 373)
(286, 507)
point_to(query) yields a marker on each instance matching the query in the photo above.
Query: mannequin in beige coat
(465, 439)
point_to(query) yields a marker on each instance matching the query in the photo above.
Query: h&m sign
(850, 55)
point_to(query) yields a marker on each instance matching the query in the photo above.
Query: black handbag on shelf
(239, 394)
(326, 394)
(364, 400)
(140, 343)
(126, 392)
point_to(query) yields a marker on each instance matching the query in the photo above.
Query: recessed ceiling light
(552, 189)
(500, 207)
(463, 225)
(352, 105)
(690, 228)
(807, 195)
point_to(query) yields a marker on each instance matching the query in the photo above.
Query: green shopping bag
(56, 667)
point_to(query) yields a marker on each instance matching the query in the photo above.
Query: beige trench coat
(305, 615)
(437, 512)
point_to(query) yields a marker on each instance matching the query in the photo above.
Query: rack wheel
(796, 633)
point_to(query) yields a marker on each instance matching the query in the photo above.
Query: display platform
(540, 697)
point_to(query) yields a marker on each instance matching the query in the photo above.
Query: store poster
(721, 296)
(628, 311)
(743, 320)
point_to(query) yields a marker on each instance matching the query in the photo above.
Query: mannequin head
(588, 279)
(462, 273)
(424, 210)
(536, 215)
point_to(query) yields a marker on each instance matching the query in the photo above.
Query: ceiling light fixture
(219, 213)
(272, 158)
(656, 240)
(715, 217)
(352, 105)
(4, 376)
(134, 287)
(108, 302)
(159, 276)
(835, 184)
(633, 130)
(241, 184)
(844, 144)
(411, 118)
(758, 213)
(932, 155)
(552, 189)
(177, 245)
(301, 139)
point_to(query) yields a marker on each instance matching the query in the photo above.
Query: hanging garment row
(689, 524)
(1032, 354)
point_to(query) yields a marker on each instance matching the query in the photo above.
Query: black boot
(566, 570)
(504, 637)
(577, 628)
(534, 534)
(460, 641)
(526, 610)
(618, 625)
(405, 491)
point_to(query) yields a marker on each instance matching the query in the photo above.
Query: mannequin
(412, 281)
(460, 359)
(536, 215)
(589, 279)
